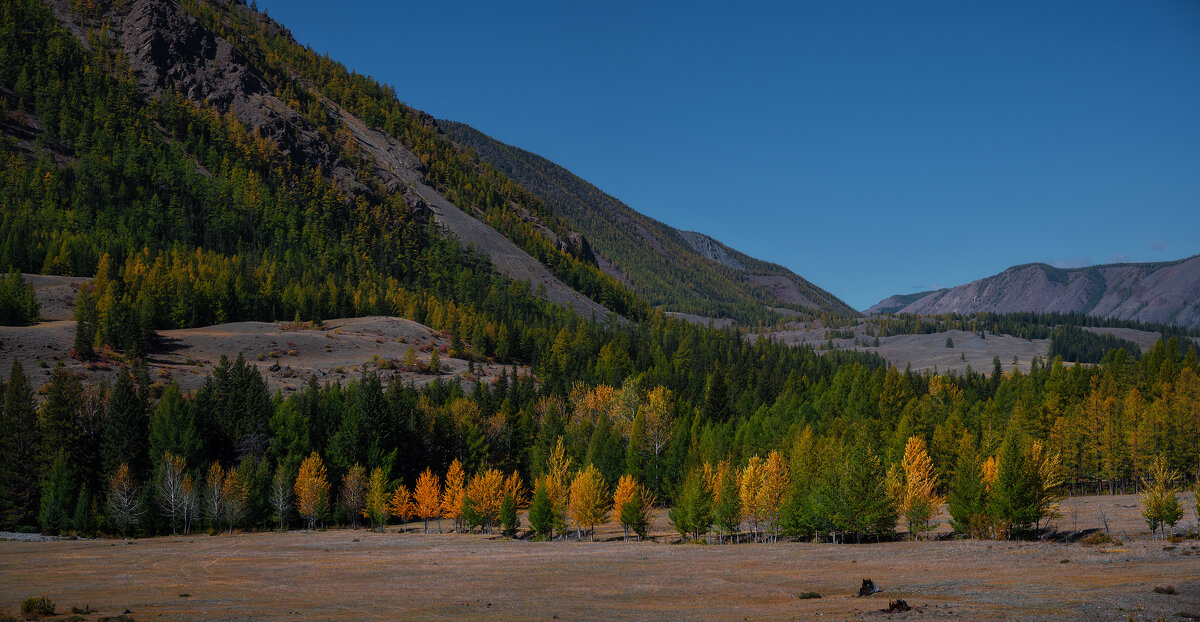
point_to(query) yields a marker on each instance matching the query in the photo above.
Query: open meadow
(347, 574)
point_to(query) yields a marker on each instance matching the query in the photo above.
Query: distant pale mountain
(1164, 292)
(681, 271)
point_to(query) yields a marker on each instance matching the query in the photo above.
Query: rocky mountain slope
(681, 271)
(1165, 292)
(169, 50)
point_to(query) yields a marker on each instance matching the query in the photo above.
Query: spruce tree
(58, 497)
(126, 429)
(19, 479)
(541, 511)
(967, 500)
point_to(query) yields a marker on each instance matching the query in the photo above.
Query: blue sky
(872, 147)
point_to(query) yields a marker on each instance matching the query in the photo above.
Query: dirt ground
(345, 574)
(929, 352)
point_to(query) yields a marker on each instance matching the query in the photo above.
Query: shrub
(37, 606)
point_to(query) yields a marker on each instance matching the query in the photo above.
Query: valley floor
(357, 574)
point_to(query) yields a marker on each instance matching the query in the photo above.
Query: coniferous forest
(185, 217)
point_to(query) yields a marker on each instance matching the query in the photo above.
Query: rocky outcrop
(1167, 293)
(170, 50)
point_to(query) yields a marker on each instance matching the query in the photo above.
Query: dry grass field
(344, 574)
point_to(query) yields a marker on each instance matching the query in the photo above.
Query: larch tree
(237, 497)
(1160, 506)
(918, 500)
(354, 492)
(312, 489)
(626, 492)
(750, 484)
(772, 492)
(589, 501)
(124, 500)
(453, 494)
(485, 495)
(169, 489)
(378, 508)
(214, 494)
(281, 494)
(558, 480)
(400, 505)
(727, 502)
(427, 499)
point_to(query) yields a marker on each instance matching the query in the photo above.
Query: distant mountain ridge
(1161, 292)
(681, 271)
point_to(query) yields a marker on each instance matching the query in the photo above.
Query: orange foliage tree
(427, 499)
(452, 495)
(312, 489)
(589, 502)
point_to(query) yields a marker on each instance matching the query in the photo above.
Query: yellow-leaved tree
(626, 494)
(918, 500)
(558, 480)
(484, 495)
(237, 497)
(750, 491)
(452, 496)
(427, 499)
(312, 489)
(589, 504)
(771, 493)
(377, 508)
(401, 505)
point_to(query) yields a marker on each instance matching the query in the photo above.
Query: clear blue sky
(872, 147)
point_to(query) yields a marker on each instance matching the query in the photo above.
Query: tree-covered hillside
(680, 271)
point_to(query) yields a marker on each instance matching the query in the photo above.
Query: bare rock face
(1167, 293)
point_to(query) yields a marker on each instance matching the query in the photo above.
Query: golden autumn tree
(918, 500)
(237, 497)
(626, 492)
(485, 494)
(771, 493)
(750, 491)
(401, 505)
(452, 495)
(312, 489)
(589, 501)
(427, 499)
(377, 507)
(557, 479)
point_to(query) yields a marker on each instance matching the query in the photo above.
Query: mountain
(1163, 292)
(681, 271)
(175, 134)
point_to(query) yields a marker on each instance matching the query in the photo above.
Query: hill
(681, 271)
(1152, 293)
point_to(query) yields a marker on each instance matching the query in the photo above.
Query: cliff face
(1167, 293)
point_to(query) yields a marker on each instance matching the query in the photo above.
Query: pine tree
(509, 517)
(692, 514)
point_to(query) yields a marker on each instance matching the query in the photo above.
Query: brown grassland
(343, 574)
